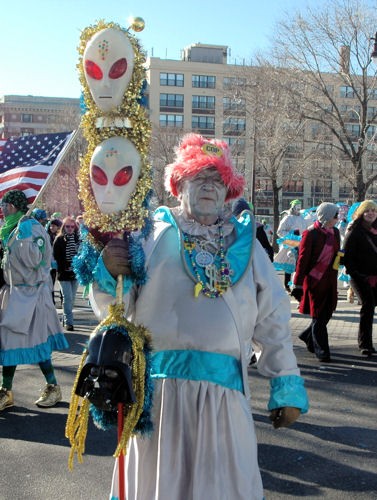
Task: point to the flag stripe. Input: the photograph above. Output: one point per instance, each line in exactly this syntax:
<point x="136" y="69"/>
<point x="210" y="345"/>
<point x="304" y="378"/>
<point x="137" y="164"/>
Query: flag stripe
<point x="26" y="162"/>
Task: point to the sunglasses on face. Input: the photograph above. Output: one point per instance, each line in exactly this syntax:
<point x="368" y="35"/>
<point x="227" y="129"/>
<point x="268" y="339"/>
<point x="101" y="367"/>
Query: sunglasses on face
<point x="69" y="226"/>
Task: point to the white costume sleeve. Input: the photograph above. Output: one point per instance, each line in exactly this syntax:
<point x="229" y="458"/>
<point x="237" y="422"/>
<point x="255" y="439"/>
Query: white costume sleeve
<point x="272" y="333"/>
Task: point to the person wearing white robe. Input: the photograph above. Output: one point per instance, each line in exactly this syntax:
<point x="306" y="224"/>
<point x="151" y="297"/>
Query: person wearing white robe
<point x="211" y="292"/>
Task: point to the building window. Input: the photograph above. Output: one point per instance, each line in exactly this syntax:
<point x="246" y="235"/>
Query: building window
<point x="26" y="118"/>
<point x="293" y="187"/>
<point x="372" y="112"/>
<point x="171" y="101"/>
<point x="352" y="112"/>
<point x="26" y="131"/>
<point x="372" y="93"/>
<point x="353" y="129"/>
<point x="371" y="132"/>
<point x="322" y="187"/>
<point x="172" y="79"/>
<point x="237" y="144"/>
<point x="232" y="125"/>
<point x="203" y="102"/>
<point x="203" y="122"/>
<point x="175" y="121"/>
<point x="203" y="81"/>
<point x="232" y="105"/>
<point x="347" y="91"/>
<point x="232" y="82"/>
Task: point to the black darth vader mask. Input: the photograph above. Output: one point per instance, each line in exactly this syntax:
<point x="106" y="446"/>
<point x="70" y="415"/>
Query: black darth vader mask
<point x="106" y="377"/>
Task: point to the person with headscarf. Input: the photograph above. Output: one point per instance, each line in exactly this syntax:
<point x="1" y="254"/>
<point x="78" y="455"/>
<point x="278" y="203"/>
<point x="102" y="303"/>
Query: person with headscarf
<point x="360" y="260"/>
<point x="211" y="291"/>
<point x="291" y="223"/>
<point x="315" y="279"/>
<point x="29" y="325"/>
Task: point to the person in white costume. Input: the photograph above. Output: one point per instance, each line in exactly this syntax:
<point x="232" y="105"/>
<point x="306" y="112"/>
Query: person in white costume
<point x="211" y="291"/>
<point x="292" y="223"/>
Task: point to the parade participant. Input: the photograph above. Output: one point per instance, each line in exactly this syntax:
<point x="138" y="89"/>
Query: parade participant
<point x="65" y="248"/>
<point x="291" y="223"/>
<point x="52" y="228"/>
<point x="40" y="215"/>
<point x="360" y="259"/>
<point x="211" y="291"/>
<point x="315" y="280"/>
<point x="237" y="208"/>
<point x="29" y="325"/>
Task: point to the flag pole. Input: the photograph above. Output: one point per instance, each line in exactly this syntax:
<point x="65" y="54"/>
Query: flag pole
<point x="63" y="154"/>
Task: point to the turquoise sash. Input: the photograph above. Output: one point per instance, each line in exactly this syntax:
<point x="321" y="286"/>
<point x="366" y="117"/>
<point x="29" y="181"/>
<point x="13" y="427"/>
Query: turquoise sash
<point x="213" y="367"/>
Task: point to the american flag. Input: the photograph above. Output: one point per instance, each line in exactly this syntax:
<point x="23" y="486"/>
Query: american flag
<point x="26" y="162"/>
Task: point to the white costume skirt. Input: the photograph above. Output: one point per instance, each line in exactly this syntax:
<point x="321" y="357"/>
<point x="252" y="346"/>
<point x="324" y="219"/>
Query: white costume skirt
<point x="203" y="447"/>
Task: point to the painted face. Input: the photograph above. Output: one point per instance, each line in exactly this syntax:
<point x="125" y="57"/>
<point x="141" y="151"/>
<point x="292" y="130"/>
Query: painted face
<point x="203" y="196"/>
<point x="108" y="64"/>
<point x="114" y="170"/>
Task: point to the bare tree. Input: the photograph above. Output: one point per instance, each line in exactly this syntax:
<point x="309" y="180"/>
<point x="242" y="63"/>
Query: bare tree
<point x="328" y="52"/>
<point x="163" y="142"/>
<point x="275" y="130"/>
<point x="61" y="194"/>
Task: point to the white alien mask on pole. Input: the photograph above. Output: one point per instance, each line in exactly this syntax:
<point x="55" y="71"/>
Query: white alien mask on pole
<point x="114" y="170"/>
<point x="108" y="64"/>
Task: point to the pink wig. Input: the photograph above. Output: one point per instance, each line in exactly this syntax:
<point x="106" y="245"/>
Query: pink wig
<point x="194" y="154"/>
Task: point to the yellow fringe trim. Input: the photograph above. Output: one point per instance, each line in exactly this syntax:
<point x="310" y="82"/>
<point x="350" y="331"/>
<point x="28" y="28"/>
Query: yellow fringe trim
<point x="78" y="414"/>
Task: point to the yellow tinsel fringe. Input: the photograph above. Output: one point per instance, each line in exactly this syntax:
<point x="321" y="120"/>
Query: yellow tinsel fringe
<point x="77" y="421"/>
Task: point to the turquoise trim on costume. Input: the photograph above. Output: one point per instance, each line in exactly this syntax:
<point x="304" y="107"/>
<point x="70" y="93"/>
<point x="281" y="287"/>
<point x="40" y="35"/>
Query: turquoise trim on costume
<point x="33" y="355"/>
<point x="237" y="255"/>
<point x="164" y="214"/>
<point x="106" y="282"/>
<point x="287" y="268"/>
<point x="288" y="390"/>
<point x="217" y="368"/>
<point x="25" y="229"/>
<point x="289" y="237"/>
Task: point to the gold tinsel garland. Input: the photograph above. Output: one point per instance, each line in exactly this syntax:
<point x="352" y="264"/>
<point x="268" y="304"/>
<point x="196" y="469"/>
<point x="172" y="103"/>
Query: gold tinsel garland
<point x="78" y="413"/>
<point x="133" y="217"/>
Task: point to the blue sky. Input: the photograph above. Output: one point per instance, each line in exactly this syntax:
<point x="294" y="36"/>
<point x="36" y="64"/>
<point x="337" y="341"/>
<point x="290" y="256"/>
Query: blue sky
<point x="39" y="38"/>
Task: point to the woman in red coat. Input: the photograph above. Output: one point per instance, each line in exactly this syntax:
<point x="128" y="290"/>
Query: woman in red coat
<point x="315" y="281"/>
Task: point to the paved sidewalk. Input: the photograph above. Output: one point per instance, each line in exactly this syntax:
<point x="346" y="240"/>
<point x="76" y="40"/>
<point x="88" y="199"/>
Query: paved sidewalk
<point x="330" y="452"/>
<point x="343" y="325"/>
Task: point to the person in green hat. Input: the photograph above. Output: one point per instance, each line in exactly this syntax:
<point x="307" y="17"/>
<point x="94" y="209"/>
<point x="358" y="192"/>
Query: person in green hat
<point x="29" y="337"/>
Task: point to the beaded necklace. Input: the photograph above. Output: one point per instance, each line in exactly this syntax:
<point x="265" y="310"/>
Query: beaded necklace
<point x="217" y="279"/>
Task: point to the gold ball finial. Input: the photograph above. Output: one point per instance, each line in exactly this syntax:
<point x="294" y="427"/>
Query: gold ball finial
<point x="137" y="24"/>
